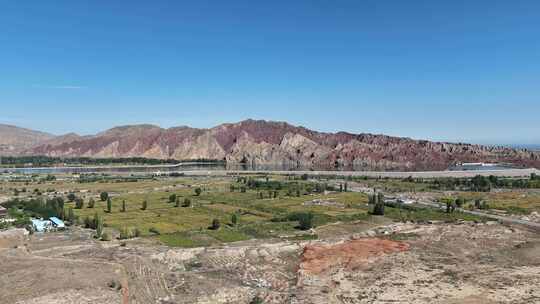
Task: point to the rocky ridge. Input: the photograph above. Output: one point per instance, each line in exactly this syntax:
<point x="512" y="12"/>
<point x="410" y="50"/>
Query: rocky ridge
<point x="279" y="144"/>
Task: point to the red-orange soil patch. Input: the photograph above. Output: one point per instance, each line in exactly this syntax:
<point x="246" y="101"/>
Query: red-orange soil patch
<point x="351" y="254"/>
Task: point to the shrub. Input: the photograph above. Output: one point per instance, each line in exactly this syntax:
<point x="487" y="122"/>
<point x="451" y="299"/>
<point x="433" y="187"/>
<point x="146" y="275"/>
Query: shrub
<point x="215" y="224"/>
<point x="109" y="205"/>
<point x="106" y="236"/>
<point x="198" y="191"/>
<point x="172" y="198"/>
<point x="91" y="203"/>
<point x="104" y="196"/>
<point x="187" y="202"/>
<point x="71" y="216"/>
<point x="378" y="209"/>
<point x="256" y="300"/>
<point x="71" y="197"/>
<point x="99" y="225"/>
<point x="125" y="233"/>
<point x="87" y="222"/>
<point x="79" y="203"/>
<point x="305" y="221"/>
<point x="154" y="230"/>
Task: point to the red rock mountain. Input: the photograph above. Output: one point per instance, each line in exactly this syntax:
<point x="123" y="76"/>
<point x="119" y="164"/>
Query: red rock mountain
<point x="258" y="142"/>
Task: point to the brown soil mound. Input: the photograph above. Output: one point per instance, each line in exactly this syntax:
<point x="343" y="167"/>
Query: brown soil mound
<point x="319" y="258"/>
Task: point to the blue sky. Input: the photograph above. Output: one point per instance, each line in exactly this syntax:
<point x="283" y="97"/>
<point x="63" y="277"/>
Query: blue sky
<point x="442" y="70"/>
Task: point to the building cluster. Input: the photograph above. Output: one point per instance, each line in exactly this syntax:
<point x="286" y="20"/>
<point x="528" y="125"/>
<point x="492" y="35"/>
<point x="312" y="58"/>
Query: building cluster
<point x="52" y="224"/>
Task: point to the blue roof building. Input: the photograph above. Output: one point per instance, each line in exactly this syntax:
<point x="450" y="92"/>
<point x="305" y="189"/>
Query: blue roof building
<point x="56" y="222"/>
<point x="41" y="225"/>
<point x="53" y="223"/>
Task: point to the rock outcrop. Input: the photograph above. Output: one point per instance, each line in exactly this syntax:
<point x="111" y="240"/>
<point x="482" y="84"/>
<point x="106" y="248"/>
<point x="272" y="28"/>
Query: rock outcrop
<point x="266" y="143"/>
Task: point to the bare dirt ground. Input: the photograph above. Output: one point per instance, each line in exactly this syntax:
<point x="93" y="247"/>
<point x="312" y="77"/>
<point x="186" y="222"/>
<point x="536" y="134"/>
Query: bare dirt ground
<point x="390" y="263"/>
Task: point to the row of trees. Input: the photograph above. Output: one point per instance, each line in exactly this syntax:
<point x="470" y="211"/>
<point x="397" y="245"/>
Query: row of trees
<point x="481" y="183"/>
<point x="377" y="201"/>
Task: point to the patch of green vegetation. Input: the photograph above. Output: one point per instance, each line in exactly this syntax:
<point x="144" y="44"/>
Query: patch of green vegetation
<point x="227" y="235"/>
<point x="428" y="214"/>
<point x="201" y="238"/>
<point x="263" y="230"/>
<point x="516" y="210"/>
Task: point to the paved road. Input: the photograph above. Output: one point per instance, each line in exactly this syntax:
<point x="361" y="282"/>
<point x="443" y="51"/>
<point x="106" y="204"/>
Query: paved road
<point x="501" y="218"/>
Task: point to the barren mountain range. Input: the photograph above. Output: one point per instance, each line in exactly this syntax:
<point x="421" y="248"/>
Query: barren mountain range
<point x="259" y="142"/>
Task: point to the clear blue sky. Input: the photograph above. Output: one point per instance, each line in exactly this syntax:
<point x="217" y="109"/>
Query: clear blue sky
<point x="442" y="70"/>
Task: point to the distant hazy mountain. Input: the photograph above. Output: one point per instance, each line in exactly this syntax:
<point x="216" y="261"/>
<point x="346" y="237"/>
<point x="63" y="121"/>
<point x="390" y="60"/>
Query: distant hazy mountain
<point x="528" y="147"/>
<point x="14" y="139"/>
<point x="258" y="142"/>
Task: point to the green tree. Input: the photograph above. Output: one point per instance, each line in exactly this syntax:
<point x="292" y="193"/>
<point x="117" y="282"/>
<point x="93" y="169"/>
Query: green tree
<point x="215" y="224"/>
<point x="305" y="220"/>
<point x="124" y="206"/>
<point x="99" y="226"/>
<point x="144" y="205"/>
<point x="109" y="205"/>
<point x="91" y="203"/>
<point x="172" y="198"/>
<point x="234" y="219"/>
<point x="71" y="197"/>
<point x="79" y="203"/>
<point x="71" y="216"/>
<point x="87" y="222"/>
<point x="177" y="203"/>
<point x="198" y="191"/>
<point x="450" y="206"/>
<point x="378" y="201"/>
<point x="187" y="202"/>
<point x="477" y="203"/>
<point x="95" y="221"/>
<point x="104" y="196"/>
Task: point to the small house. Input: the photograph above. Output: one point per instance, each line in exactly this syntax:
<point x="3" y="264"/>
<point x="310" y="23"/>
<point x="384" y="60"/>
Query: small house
<point x="52" y="224"/>
<point x="41" y="225"/>
<point x="57" y="223"/>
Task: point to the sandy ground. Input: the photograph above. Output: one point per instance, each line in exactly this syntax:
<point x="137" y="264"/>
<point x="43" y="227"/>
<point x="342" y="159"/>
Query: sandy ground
<point x="360" y="263"/>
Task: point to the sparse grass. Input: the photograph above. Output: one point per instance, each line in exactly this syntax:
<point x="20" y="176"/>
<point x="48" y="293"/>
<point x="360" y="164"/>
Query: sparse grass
<point x="426" y="214"/>
<point x="187" y="226"/>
